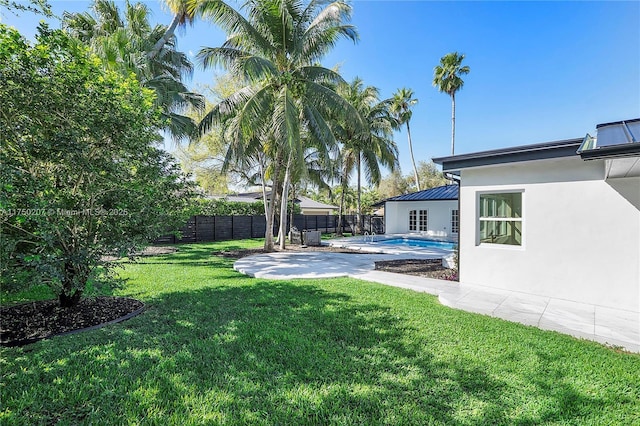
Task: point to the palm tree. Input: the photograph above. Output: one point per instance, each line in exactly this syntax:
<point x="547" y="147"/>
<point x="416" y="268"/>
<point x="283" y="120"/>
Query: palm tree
<point x="401" y="108"/>
<point x="365" y="150"/>
<point x="275" y="47"/>
<point x="182" y="15"/>
<point x="123" y="41"/>
<point x="446" y="77"/>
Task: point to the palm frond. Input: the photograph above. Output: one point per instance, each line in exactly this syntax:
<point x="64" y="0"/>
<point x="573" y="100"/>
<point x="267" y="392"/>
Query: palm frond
<point x="229" y="20"/>
<point x="179" y="127"/>
<point x="318" y="126"/>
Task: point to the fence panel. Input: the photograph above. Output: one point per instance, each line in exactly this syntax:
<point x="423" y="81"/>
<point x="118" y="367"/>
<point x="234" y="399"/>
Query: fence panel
<point x="224" y="227"/>
<point x="218" y="228"/>
<point x="205" y="228"/>
<point x="258" y="226"/>
<point x="241" y="228"/>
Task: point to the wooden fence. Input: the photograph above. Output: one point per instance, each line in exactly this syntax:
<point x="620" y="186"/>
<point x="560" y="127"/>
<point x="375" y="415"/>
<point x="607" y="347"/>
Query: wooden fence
<point x="218" y="228"/>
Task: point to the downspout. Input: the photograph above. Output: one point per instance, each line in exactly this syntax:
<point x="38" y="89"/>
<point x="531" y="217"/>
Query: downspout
<point x="458" y="180"/>
<point x="459" y="227"/>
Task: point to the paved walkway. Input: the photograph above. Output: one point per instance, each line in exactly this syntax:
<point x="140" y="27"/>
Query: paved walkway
<point x="601" y="324"/>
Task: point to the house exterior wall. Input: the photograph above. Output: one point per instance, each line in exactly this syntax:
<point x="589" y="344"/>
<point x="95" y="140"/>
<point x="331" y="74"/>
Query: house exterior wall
<point x="396" y="216"/>
<point x="580" y="233"/>
<point x="317" y="212"/>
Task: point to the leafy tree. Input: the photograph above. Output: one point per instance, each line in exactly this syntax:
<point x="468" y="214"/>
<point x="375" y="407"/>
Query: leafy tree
<point x="204" y="157"/>
<point x="201" y="162"/>
<point x="222" y="207"/>
<point x="275" y="47"/>
<point x="368" y="198"/>
<point x="35" y="6"/>
<point x="447" y="78"/>
<point x="348" y="194"/>
<point x="123" y="41"/>
<point x="430" y="176"/>
<point x="81" y="176"/>
<point x="403" y="101"/>
<point x="394" y="184"/>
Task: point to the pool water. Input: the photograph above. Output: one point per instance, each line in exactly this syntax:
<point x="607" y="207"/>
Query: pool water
<point x="418" y="243"/>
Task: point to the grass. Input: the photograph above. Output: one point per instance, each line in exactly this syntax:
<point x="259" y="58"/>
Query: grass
<point x="216" y="347"/>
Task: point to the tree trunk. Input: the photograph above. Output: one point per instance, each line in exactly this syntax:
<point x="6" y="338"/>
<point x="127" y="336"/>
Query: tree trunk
<point x="413" y="161"/>
<point x="283" y="206"/>
<point x="453" y="123"/>
<point x="340" y="218"/>
<point x="70" y="295"/>
<point x="359" y="206"/>
<point x="293" y="204"/>
<point x="69" y="300"/>
<point x="269" y="210"/>
<point x="166" y="36"/>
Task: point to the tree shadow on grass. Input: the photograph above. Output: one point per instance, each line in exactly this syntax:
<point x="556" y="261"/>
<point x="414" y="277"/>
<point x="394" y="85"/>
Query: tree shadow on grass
<point x="259" y="353"/>
<point x="192" y="255"/>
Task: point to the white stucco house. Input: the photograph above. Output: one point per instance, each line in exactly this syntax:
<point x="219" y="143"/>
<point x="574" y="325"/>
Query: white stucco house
<point x="432" y="212"/>
<point x="558" y="219"/>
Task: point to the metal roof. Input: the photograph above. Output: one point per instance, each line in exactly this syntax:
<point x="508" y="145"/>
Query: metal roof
<point x="447" y="192"/>
<point x="617" y="139"/>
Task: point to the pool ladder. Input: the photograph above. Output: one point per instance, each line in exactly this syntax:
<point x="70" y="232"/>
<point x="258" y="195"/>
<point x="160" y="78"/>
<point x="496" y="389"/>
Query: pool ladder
<point x="369" y="236"/>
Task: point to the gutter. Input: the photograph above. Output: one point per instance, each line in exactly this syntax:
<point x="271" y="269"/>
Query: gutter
<point x="613" y="151"/>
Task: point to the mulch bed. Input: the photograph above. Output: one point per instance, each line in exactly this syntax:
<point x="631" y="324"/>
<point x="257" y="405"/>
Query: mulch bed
<point x="430" y="268"/>
<point x="29" y="322"/>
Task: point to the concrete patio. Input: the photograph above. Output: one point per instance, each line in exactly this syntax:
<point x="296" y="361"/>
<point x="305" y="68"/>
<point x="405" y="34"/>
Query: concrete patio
<point x="601" y="324"/>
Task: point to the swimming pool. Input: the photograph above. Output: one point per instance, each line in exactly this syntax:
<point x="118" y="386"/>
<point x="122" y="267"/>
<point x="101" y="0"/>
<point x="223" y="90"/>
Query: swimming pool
<point x="408" y="246"/>
<point x="410" y="242"/>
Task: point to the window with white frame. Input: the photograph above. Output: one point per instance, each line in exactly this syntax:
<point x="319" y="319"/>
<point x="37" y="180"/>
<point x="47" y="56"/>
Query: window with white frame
<point x="423" y="220"/>
<point x="412" y="220"/>
<point x="455" y="221"/>
<point x="500" y="218"/>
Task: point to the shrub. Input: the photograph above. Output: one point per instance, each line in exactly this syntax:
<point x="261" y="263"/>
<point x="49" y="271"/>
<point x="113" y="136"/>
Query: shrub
<point x="81" y="176"/>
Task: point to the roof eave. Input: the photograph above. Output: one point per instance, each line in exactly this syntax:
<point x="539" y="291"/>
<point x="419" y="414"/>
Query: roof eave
<point x="559" y="149"/>
<point x="613" y="151"/>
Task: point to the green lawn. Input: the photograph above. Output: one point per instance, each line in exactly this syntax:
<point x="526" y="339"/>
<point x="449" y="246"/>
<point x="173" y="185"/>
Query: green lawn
<point x="216" y="347"/>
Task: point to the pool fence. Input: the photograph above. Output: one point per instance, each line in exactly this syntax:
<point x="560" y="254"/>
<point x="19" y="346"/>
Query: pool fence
<point x="219" y="228"/>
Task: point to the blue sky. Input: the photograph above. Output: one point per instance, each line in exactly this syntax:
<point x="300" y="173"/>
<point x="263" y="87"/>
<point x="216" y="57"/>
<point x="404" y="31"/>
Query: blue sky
<point x="540" y="71"/>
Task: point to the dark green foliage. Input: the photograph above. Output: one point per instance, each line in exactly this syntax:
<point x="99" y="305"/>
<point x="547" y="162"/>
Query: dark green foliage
<point x="222" y="207"/>
<point x="81" y="176"/>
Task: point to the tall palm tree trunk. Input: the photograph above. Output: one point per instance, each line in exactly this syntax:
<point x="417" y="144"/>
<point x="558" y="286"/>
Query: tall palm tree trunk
<point x="157" y="47"/>
<point x="293" y="200"/>
<point x="359" y="206"/>
<point x="413" y="161"/>
<point x="270" y="210"/>
<point x="283" y="206"/>
<point x="341" y="210"/>
<point x="453" y="123"/>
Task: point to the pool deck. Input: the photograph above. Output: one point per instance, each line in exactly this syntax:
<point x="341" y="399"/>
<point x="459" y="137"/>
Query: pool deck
<point x="601" y="324"/>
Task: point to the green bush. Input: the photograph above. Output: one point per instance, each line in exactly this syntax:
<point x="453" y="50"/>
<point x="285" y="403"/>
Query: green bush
<point x="222" y="207"/>
<point x="81" y="175"/>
